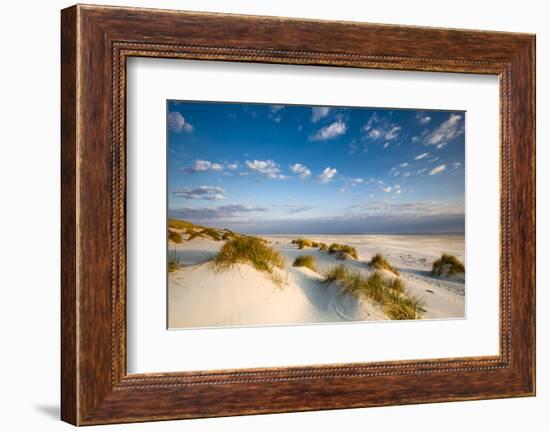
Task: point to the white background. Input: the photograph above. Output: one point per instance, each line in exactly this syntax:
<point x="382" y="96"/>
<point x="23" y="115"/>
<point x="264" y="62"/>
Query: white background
<point x="152" y="349"/>
<point x="29" y="227"/>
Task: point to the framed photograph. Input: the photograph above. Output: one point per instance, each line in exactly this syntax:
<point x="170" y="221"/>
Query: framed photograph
<point x="253" y="239"/>
<point x="268" y="215"/>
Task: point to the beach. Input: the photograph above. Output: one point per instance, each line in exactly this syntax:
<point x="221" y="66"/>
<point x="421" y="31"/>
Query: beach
<point x="202" y="295"/>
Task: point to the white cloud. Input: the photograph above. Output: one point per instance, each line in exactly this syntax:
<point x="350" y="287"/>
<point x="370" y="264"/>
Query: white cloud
<point x="388" y="134"/>
<point x="386" y="145"/>
<point x="266" y="167"/>
<point x="319" y="112"/>
<point x="372" y="121"/>
<point x="386" y="189"/>
<point x="446" y="131"/>
<point x="177" y="123"/>
<point x="418" y="208"/>
<point x="233" y="166"/>
<point x="438" y="169"/>
<point x="423" y="118"/>
<point x="220" y="212"/>
<point x="203" y="192"/>
<point x="392" y="133"/>
<point x="358" y="181"/>
<point x="301" y="170"/>
<point x="457" y="165"/>
<point x="403" y="165"/>
<point x="421" y="156"/>
<point x="203" y="166"/>
<point x="337" y="128"/>
<point x="327" y="175"/>
<point x="375" y="133"/>
<point x="275" y="113"/>
<point x="376" y="129"/>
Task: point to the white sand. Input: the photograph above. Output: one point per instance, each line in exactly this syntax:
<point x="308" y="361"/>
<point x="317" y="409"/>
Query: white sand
<point x="200" y="296"/>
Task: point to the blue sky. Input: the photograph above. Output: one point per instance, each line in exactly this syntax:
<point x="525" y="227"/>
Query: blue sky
<point x="260" y="168"/>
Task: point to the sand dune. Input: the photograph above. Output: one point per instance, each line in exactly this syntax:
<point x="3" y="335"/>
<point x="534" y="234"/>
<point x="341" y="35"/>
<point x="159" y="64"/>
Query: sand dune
<point x="201" y="296"/>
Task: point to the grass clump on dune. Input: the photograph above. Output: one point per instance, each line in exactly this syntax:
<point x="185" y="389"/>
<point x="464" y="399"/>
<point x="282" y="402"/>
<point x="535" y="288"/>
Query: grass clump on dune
<point x="342" y="255"/>
<point x="303" y="243"/>
<point x="228" y="234"/>
<point x="265" y="241"/>
<point x="174" y="236"/>
<point x="396" y="284"/>
<point x="308" y="243"/>
<point x="206" y="232"/>
<point x="306" y="260"/>
<point x="389" y="294"/>
<point x="197" y="231"/>
<point x="180" y="224"/>
<point x="379" y="262"/>
<point x="447" y="265"/>
<point x="173" y="262"/>
<point x="335" y="248"/>
<point x="249" y="249"/>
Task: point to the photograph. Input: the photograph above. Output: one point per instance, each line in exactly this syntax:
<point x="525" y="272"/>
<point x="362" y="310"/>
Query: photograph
<point x="293" y="214"/>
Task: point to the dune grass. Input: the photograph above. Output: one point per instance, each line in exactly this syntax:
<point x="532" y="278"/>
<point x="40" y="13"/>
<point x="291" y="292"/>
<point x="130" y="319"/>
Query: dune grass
<point x="308" y="243"/>
<point x="389" y="294"/>
<point x="335" y="248"/>
<point x="197" y="231"/>
<point x="302" y="243"/>
<point x="278" y="279"/>
<point x="263" y="240"/>
<point x="306" y="260"/>
<point x="396" y="284"/>
<point x="249" y="249"/>
<point x="342" y="255"/>
<point x="447" y="265"/>
<point x="206" y="232"/>
<point x="181" y="224"/>
<point x="228" y="234"/>
<point x="174" y="236"/>
<point x="173" y="262"/>
<point x="379" y="262"/>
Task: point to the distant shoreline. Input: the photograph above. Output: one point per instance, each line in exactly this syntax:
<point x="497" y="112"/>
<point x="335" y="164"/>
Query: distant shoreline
<point x="299" y="234"/>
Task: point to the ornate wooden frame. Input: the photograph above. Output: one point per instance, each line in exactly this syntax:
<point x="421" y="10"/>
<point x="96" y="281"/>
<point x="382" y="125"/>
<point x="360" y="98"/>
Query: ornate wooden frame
<point x="96" y="41"/>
